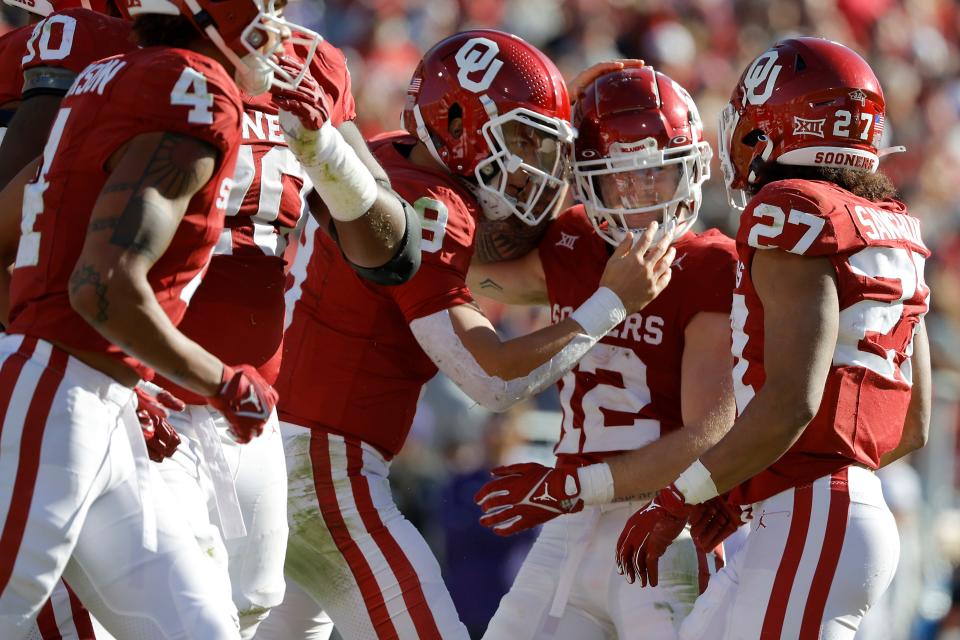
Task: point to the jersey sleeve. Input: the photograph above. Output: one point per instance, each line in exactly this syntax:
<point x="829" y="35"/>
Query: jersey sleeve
<point x="447" y="249"/>
<point x="194" y="97"/>
<point x="329" y="68"/>
<point x="786" y="217"/>
<point x="63" y="44"/>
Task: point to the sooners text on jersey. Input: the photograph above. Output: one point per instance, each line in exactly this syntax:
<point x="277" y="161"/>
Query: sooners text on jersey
<point x="112" y="102"/>
<point x="352" y="365"/>
<point x="237" y="313"/>
<point x="625" y="392"/>
<point x="878" y="257"/>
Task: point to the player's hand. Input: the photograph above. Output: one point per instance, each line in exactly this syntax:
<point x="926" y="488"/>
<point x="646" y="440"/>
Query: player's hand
<point x="526" y="495"/>
<point x="638" y="272"/>
<point x="152" y="411"/>
<point x="303" y="112"/>
<point x="714" y="521"/>
<point x="585" y="78"/>
<point x="647" y="535"/>
<point x="246" y="400"/>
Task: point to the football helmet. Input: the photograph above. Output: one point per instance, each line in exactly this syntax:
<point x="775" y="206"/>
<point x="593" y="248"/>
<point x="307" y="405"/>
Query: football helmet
<point x="639" y="150"/>
<point x="804" y="101"/>
<point x="514" y="138"/>
<point x="239" y="28"/>
<point x="46" y="7"/>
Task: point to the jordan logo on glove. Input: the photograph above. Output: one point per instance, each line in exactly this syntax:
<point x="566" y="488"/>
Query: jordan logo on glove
<point x="251" y="406"/>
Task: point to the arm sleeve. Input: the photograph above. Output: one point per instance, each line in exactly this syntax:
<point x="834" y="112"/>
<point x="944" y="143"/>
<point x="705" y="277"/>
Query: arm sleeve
<point x="437" y="338"/>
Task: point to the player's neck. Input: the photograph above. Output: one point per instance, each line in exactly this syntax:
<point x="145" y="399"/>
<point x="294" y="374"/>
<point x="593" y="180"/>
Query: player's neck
<point x="421" y="156"/>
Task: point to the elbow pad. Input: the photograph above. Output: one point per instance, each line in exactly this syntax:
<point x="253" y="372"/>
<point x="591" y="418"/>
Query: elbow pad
<point x="47" y="81"/>
<point x="405" y="262"/>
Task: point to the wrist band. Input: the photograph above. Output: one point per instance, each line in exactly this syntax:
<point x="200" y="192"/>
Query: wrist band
<point x="600" y="313"/>
<point x="596" y="483"/>
<point x="696" y="484"/>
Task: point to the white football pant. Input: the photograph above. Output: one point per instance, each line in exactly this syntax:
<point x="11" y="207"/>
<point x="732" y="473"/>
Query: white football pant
<point x="353" y="552"/>
<point x="568" y="587"/>
<point x="79" y="498"/>
<point x="235" y="499"/>
<point x="816" y="559"/>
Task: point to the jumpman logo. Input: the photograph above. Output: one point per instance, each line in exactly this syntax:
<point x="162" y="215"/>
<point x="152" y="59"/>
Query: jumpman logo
<point x="545" y="496"/>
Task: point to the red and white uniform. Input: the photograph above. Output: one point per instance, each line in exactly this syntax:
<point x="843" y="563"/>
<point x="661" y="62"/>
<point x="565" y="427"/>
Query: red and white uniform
<point x="622" y="395"/>
<point x="67" y="41"/>
<point x="352" y="375"/>
<point x="244" y="284"/>
<point x="823" y="545"/>
<point x="75" y="483"/>
<point x="12" y="45"/>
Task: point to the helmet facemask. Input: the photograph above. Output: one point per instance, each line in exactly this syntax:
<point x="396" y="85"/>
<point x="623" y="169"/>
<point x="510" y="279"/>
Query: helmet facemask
<point x="638" y="179"/>
<point x="257" y="71"/>
<point x="525" y="173"/>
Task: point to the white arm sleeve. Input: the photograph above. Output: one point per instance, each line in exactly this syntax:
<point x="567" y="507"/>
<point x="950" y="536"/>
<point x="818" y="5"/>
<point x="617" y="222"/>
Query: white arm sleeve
<point x="441" y="343"/>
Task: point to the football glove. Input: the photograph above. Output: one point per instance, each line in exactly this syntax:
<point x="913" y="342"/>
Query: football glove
<point x="525" y="495"/>
<point x="648" y="533"/>
<point x="246" y="400"/>
<point x="161" y="438"/>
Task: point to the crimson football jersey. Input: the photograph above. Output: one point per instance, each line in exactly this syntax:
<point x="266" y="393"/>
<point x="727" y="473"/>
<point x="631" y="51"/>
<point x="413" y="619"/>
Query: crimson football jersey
<point x="625" y="392"/>
<point x="72" y="39"/>
<point x="237" y="312"/>
<point x="12" y="46"/>
<point x="351" y="364"/>
<point x="878" y="257"/>
<point x="112" y="102"/>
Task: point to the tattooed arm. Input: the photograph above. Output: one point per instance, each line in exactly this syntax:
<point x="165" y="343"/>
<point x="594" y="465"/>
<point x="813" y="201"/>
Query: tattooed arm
<point x="519" y="281"/>
<point x="133" y="221"/>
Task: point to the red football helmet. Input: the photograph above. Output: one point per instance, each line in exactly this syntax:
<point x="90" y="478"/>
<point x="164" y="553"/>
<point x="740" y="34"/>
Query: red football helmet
<point x="46" y="7"/>
<point x="639" y="150"/>
<point x="515" y="137"/>
<point x="805" y="101"/>
<point x="238" y="28"/>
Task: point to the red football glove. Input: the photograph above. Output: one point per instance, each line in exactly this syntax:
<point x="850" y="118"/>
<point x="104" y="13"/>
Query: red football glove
<point x="647" y="535"/>
<point x="162" y="440"/>
<point x="526" y="495"/>
<point x="713" y="521"/>
<point x="246" y="400"/>
<point x="308" y="101"/>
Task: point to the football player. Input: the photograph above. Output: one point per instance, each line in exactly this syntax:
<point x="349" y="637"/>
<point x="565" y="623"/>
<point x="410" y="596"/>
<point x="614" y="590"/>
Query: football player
<point x="486" y="135"/>
<point x="238" y="504"/>
<point x="659" y="383"/>
<point x="117" y="229"/>
<point x="41" y="63"/>
<point x="832" y="373"/>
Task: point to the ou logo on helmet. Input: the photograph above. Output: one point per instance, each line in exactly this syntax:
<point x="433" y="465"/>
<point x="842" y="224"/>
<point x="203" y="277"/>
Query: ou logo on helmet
<point x="476" y="55"/>
<point x="761" y="78"/>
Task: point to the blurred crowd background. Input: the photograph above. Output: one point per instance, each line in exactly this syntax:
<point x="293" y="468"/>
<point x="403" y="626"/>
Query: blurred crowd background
<point x="914" y="47"/>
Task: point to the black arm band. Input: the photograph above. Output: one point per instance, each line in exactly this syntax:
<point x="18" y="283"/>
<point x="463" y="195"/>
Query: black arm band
<point x="47" y="81"/>
<point x="405" y="262"/>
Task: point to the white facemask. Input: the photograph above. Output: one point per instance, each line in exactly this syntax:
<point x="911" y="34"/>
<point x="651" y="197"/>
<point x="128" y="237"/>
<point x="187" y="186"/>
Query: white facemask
<point x="254" y="76"/>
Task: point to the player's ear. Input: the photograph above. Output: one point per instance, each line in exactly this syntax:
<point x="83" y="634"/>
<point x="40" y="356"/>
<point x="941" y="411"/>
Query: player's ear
<point x="455" y="121"/>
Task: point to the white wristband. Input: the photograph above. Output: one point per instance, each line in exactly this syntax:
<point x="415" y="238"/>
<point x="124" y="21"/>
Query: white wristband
<point x="600" y="313"/>
<point x="696" y="484"/>
<point x="596" y="483"/>
<point x="339" y="176"/>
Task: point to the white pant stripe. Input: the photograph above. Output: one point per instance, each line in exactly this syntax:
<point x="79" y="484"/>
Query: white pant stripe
<point x="809" y="561"/>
